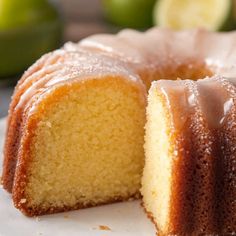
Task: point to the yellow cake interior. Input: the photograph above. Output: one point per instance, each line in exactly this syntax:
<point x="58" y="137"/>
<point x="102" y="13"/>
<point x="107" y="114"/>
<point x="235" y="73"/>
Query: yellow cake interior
<point x="88" y="146"/>
<point x="156" y="181"/>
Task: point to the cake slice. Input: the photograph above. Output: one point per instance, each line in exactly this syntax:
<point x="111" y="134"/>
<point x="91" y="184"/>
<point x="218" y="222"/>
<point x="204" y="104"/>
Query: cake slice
<point x="188" y="183"/>
<point x="79" y="142"/>
<point x="166" y="145"/>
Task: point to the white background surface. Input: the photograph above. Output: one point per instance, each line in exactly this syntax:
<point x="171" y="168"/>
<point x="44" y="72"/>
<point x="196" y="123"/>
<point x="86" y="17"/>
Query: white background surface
<point x="124" y="219"/>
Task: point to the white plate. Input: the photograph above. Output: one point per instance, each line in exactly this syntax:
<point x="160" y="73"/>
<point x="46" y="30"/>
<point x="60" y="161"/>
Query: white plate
<point x="123" y="219"/>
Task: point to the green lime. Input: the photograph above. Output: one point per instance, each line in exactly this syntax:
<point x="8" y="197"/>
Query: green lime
<point x="185" y="14"/>
<point x="129" y="13"/>
<point x="28" y="29"/>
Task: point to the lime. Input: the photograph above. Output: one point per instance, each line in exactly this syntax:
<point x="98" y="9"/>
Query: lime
<point x="129" y="13"/>
<point x="28" y="29"/>
<point x="185" y="14"/>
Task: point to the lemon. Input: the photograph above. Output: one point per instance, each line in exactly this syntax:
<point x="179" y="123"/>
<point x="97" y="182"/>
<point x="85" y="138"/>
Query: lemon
<point x="28" y="29"/>
<point x="129" y="13"/>
<point x="186" y="14"/>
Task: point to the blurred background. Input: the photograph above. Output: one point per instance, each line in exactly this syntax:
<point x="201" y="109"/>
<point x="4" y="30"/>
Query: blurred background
<point x="30" y="28"/>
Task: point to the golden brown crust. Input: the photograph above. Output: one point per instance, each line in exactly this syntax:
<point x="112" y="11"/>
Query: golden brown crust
<point x="226" y="167"/>
<point x="150" y="216"/>
<point x="203" y="163"/>
<point x="40" y="211"/>
<point x="14" y="126"/>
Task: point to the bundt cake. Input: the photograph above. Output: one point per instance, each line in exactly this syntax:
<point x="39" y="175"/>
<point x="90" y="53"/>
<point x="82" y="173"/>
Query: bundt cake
<point x="76" y="129"/>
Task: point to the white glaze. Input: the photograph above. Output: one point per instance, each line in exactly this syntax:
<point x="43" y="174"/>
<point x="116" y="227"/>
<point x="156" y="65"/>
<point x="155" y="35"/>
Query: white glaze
<point x="133" y="54"/>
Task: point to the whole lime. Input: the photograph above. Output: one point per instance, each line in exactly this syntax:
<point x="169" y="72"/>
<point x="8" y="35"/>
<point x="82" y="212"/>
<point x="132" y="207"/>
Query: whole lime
<point x="28" y="29"/>
<point x="129" y="13"/>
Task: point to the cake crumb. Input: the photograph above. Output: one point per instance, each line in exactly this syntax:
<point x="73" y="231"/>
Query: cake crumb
<point x="66" y="216"/>
<point x="104" y="227"/>
<point x="23" y="200"/>
<point x="131" y="199"/>
<point x="48" y="124"/>
<point x="37" y="219"/>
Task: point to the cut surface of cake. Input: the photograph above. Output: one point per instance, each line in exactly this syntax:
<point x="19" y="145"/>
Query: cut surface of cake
<point x="76" y="129"/>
